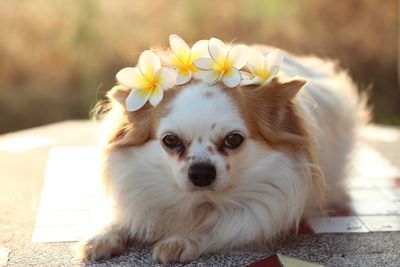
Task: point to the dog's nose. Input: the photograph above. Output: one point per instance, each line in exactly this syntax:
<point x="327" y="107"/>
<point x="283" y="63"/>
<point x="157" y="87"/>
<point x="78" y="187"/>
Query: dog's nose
<point x="202" y="174"/>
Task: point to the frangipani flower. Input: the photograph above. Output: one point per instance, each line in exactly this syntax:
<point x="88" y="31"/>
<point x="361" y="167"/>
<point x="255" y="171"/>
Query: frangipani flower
<point x="224" y="64"/>
<point x="263" y="68"/>
<point x="183" y="56"/>
<point x="148" y="81"/>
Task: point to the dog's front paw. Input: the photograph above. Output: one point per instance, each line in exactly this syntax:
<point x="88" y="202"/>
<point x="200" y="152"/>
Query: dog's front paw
<point x="107" y="244"/>
<point x="176" y="249"/>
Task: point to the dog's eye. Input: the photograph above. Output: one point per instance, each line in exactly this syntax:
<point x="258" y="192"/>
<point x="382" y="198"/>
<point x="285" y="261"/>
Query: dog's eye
<point x="233" y="140"/>
<point x="171" y="141"/>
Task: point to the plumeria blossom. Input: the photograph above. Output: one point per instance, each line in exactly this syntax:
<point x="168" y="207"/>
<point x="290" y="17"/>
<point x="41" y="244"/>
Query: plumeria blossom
<point x="263" y="68"/>
<point x="148" y="80"/>
<point x="224" y="64"/>
<point x="182" y="57"/>
<point x="208" y="60"/>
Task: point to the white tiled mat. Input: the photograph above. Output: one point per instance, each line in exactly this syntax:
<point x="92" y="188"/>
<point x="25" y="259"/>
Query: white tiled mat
<point x="347" y="224"/>
<point x="72" y="204"/>
<point x="381" y="223"/>
<point x="23" y="143"/>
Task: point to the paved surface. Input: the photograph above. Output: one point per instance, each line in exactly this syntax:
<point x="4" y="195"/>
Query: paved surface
<point x="21" y="180"/>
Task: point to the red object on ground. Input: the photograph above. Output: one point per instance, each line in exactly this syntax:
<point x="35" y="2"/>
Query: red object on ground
<point x="271" y="261"/>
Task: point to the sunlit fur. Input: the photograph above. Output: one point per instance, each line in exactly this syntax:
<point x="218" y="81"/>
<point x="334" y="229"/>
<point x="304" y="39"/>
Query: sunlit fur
<point x="298" y="138"/>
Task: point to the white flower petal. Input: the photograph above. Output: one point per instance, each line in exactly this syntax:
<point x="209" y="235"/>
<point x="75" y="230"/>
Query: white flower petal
<point x="179" y="47"/>
<point x="131" y="78"/>
<point x="149" y="63"/>
<point x="156" y="96"/>
<point x="165" y="57"/>
<point x="238" y="56"/>
<point x="167" y="78"/>
<point x="204" y="63"/>
<point x="273" y="62"/>
<point x="200" y="49"/>
<point x="217" y="50"/>
<point x="255" y="80"/>
<point x="210" y="77"/>
<point x="136" y="99"/>
<point x="256" y="61"/>
<point x="273" y="70"/>
<point x="232" y="78"/>
<point x="183" y="77"/>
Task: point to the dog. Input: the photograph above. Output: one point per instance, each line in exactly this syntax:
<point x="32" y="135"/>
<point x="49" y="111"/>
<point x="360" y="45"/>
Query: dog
<point x="213" y="168"/>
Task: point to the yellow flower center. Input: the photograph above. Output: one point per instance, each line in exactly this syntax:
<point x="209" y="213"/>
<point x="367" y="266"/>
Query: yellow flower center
<point x="266" y="75"/>
<point x="223" y="66"/>
<point x="262" y="73"/>
<point x="153" y="83"/>
<point x="184" y="67"/>
<point x="187" y="68"/>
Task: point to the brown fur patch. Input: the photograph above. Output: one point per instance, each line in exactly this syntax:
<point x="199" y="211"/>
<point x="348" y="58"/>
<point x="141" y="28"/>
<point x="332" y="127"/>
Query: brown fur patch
<point x="123" y="128"/>
<point x="222" y="151"/>
<point x="133" y="128"/>
<point x="210" y="149"/>
<point x="193" y="157"/>
<point x="208" y="94"/>
<point x="227" y="167"/>
<point x="273" y="118"/>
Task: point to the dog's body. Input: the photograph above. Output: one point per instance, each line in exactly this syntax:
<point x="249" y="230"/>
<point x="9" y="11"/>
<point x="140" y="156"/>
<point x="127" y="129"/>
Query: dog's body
<point x="261" y="189"/>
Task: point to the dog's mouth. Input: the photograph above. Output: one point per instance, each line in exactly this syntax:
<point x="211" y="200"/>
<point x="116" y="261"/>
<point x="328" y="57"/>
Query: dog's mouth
<point x="201" y="189"/>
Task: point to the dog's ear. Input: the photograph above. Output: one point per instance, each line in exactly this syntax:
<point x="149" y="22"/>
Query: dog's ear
<point x="127" y="128"/>
<point x="118" y="94"/>
<point x="284" y="90"/>
<point x="271" y="111"/>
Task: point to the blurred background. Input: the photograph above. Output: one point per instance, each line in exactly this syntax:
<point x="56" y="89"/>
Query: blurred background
<point x="57" y="58"/>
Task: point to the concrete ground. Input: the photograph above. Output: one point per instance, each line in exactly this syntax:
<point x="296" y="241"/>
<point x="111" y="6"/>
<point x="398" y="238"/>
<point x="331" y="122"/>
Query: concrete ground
<point x="21" y="181"/>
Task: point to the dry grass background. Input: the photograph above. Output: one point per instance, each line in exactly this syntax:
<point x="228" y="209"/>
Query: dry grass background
<point x="58" y="57"/>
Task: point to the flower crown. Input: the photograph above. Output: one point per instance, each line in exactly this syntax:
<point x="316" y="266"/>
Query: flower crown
<point x="208" y="60"/>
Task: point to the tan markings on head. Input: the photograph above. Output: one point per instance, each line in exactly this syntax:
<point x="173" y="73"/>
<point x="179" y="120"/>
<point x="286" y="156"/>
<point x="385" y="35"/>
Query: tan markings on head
<point x="134" y="128"/>
<point x="123" y="128"/>
<point x="272" y="117"/>
<point x="193" y="157"/>
<point x="227" y="167"/>
<point x="222" y="151"/>
<point x="208" y="94"/>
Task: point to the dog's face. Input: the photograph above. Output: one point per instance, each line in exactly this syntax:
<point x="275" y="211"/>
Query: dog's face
<point x="208" y="135"/>
<point x="202" y="136"/>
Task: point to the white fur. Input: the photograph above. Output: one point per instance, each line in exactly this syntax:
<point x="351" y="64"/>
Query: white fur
<point x="263" y="194"/>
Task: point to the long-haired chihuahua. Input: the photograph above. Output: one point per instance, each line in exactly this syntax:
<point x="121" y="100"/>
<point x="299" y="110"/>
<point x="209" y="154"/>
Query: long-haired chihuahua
<point x="211" y="168"/>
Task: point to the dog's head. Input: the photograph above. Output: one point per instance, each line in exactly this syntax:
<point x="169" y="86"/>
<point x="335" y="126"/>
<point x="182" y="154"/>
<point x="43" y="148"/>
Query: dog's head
<point x="208" y="135"/>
